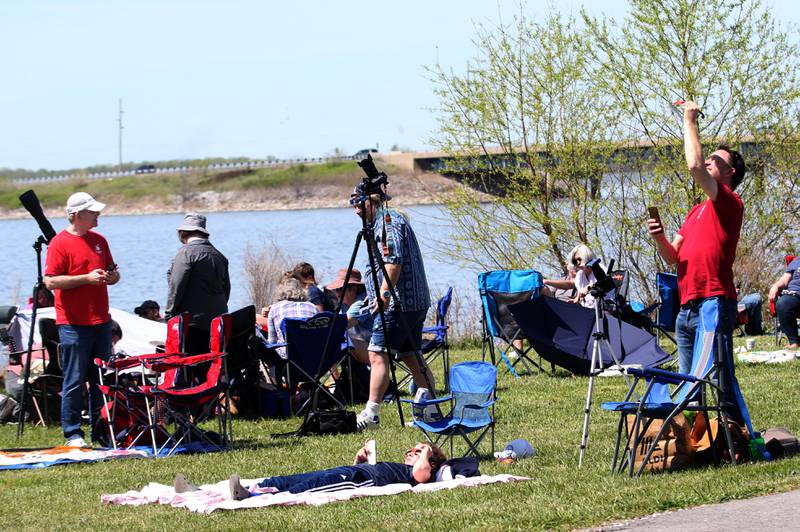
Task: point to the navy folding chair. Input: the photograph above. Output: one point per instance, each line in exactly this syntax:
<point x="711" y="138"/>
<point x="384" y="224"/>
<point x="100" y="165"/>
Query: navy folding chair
<point x="305" y="342"/>
<point x="434" y="342"/>
<point x="700" y="391"/>
<point x="669" y="305"/>
<point x="498" y="290"/>
<point x="472" y="398"/>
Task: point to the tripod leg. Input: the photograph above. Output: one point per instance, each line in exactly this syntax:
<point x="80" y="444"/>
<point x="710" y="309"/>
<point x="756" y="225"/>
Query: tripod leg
<point x="588" y="406"/>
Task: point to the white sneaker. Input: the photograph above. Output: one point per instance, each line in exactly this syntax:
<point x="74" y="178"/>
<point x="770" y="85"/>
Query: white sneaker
<point x="364" y="421"/>
<point x="78" y="443"/>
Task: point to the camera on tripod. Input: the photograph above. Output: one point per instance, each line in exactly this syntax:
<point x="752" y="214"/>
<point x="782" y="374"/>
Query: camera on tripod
<point x="374" y="182"/>
<point x="605" y="283"/>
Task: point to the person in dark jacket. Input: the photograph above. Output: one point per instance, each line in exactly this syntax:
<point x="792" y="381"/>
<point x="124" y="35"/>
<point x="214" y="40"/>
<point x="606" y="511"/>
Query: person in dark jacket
<point x="198" y="282"/>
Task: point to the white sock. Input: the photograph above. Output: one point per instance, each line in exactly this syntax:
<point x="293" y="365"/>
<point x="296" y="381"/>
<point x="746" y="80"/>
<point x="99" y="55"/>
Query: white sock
<point x="372" y="409"/>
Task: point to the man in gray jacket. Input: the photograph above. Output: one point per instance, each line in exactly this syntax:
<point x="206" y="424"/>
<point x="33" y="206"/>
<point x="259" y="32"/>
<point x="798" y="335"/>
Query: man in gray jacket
<point x="198" y="282"/>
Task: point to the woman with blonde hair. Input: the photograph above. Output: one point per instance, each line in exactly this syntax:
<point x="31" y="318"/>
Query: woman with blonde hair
<point x="580" y="277"/>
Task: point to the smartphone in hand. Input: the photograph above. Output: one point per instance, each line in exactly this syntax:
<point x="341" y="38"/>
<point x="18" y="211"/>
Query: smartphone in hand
<point x="653" y="212"/>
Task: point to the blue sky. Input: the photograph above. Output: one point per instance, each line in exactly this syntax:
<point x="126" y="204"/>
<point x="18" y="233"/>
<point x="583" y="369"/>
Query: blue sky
<point x="224" y="79"/>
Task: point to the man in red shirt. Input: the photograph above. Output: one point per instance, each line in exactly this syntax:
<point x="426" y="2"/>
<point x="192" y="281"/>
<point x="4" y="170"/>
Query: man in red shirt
<point x="705" y="247"/>
<point x="79" y="268"/>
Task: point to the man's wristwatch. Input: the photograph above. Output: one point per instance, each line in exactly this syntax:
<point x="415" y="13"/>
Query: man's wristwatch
<point x="386" y="295"/>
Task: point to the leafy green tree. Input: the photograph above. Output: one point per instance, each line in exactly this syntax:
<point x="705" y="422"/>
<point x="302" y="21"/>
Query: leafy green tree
<point x="574" y="128"/>
<point x="527" y="123"/>
<point x="733" y="59"/>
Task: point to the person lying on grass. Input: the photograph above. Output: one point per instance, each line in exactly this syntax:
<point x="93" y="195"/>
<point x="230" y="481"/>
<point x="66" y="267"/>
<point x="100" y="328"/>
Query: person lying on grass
<point x="419" y="466"/>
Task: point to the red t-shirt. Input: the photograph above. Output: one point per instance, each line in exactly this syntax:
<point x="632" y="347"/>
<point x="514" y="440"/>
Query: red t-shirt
<point x="710" y="235"/>
<point x="69" y="254"/>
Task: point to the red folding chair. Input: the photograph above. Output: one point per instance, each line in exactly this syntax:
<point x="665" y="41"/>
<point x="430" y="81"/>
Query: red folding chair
<point x="192" y="390"/>
<point x="131" y="416"/>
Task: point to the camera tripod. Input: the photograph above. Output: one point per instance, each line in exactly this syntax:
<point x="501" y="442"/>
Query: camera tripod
<point x="373" y="184"/>
<point x="596" y="367"/>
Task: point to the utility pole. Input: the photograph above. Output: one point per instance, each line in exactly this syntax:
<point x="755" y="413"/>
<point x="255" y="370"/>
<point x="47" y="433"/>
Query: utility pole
<point x="119" y="120"/>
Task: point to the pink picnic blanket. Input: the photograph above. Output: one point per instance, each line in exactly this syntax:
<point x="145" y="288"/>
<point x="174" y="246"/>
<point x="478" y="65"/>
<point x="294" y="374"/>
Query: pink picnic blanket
<point x="213" y="497"/>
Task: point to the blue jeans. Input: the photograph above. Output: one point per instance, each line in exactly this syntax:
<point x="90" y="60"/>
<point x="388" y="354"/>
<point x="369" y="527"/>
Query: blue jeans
<point x="788" y="309"/>
<point x="752" y="304"/>
<point x="686" y="326"/>
<point x="80" y="345"/>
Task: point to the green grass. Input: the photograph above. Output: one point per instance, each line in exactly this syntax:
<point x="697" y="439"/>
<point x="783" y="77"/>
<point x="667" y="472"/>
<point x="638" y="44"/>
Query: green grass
<point x="545" y="410"/>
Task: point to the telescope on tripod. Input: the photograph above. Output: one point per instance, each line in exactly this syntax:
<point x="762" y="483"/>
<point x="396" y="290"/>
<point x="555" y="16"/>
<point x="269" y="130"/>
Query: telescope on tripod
<point x="31" y="203"/>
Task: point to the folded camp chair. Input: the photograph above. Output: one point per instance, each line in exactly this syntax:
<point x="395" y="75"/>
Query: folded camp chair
<point x="305" y="342"/>
<point x="650" y="397"/>
<point x="205" y="398"/>
<point x="472" y="397"/>
<point x="435" y="344"/>
<point x="132" y="416"/>
<point x="244" y="364"/>
<point x="498" y="290"/>
<point x="774" y="313"/>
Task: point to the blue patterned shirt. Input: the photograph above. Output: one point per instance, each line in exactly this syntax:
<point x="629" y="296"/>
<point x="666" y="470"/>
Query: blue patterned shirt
<point x="401" y="248"/>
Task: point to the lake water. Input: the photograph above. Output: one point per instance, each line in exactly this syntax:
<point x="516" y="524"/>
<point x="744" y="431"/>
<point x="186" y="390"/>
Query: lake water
<point x="143" y="247"/>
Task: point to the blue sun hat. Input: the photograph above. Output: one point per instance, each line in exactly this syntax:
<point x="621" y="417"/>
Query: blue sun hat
<point x="515" y="450"/>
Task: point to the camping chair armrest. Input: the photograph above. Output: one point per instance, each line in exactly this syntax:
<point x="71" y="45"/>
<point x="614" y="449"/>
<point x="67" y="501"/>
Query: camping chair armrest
<point x="428" y="402"/>
<point x="482" y="405"/>
<point x="661" y="374"/>
<point x="129" y="361"/>
<point x="436" y="329"/>
<point x="15" y="358"/>
<point x="174" y="362"/>
<point x="649" y="310"/>
<point x="275" y="345"/>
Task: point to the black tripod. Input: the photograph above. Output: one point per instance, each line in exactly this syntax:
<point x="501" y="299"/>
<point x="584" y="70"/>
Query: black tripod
<point x="26" y="372"/>
<point x="372" y="185"/>
<point x="31" y="203"/>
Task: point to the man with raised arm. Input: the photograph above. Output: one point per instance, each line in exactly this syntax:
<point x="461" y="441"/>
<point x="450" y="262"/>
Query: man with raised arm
<point x="79" y="267"/>
<point x="705" y="247"/>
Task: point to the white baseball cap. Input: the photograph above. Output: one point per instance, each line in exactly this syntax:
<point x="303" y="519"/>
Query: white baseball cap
<point x="81" y="201"/>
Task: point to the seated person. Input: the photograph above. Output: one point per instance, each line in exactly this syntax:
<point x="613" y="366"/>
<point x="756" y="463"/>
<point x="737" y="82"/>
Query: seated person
<point x="304" y="272"/>
<point x="563" y="289"/>
<point x="149" y="310"/>
<point x="359" y="317"/>
<point x="752" y="307"/>
<point x="291" y="302"/>
<point x="583" y="279"/>
<point x="419" y="466"/>
<point x="785" y="294"/>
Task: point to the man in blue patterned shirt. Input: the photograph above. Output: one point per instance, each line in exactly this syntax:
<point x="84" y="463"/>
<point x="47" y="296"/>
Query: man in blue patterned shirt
<point x="397" y="247"/>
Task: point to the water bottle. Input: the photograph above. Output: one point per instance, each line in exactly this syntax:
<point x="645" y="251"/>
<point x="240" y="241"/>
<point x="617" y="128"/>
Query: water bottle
<point x="758" y="449"/>
<point x="372" y="452"/>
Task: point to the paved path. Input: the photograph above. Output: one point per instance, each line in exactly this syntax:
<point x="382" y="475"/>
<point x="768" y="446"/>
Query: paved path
<point x="779" y="511"/>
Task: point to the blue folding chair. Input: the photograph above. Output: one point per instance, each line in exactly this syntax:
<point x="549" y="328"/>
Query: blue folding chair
<point x="305" y="342"/>
<point x="498" y="290"/>
<point x="435" y="345"/>
<point x="472" y="398"/>
<point x="700" y="391"/>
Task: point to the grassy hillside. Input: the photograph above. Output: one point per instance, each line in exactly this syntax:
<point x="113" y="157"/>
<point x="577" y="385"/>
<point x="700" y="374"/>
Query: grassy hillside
<point x="159" y="188"/>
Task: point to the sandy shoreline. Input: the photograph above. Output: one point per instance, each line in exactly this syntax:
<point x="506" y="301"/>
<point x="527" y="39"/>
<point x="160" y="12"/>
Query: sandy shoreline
<point x="427" y="189"/>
